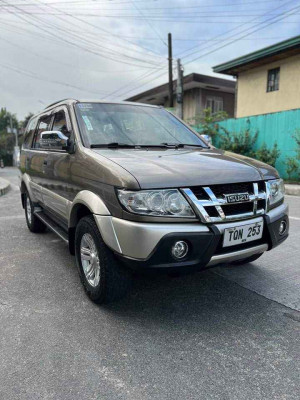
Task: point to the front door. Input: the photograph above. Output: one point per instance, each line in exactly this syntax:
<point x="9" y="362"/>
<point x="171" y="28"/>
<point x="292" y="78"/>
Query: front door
<point x="57" y="186"/>
<point x="37" y="158"/>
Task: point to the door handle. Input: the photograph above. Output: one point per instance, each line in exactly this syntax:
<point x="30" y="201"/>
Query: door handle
<point x="45" y="162"/>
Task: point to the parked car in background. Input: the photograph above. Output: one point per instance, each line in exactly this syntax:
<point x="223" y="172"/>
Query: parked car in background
<point x="130" y="186"/>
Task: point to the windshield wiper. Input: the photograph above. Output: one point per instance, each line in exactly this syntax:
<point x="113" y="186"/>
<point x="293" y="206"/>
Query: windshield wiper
<point x="112" y="145"/>
<point x="117" y="145"/>
<point x="181" y="145"/>
<point x="196" y="145"/>
<point x="173" y="145"/>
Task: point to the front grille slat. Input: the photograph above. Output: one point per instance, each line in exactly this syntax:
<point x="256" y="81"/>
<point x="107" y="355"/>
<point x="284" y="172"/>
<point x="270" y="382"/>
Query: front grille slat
<point x="212" y="204"/>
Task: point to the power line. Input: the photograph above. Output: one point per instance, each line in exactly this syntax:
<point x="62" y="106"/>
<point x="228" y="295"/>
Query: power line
<point x="20" y="30"/>
<point x="171" y="18"/>
<point x="225" y="44"/>
<point x="40" y="56"/>
<point x="224" y="39"/>
<point x="44" y="79"/>
<point x="92" y="4"/>
<point x="109" y="54"/>
<point x="151" y="26"/>
<point x="102" y="29"/>
<point x="235" y="40"/>
<point x="97" y="27"/>
<point x="245" y="30"/>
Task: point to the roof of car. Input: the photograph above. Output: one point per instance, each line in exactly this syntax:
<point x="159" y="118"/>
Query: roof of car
<point x="73" y="101"/>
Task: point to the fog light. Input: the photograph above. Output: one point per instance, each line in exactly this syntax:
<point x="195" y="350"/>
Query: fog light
<point x="180" y="249"/>
<point x="282" y="227"/>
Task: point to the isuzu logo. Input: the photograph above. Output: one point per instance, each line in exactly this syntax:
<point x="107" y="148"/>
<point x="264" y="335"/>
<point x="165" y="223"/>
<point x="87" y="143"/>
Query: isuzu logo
<point x="236" y="197"/>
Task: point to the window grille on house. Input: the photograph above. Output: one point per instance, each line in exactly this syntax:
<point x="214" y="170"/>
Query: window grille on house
<point x="273" y="79"/>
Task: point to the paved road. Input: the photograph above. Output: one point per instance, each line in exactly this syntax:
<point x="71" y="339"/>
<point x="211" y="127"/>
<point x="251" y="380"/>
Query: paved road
<point x="206" y="336"/>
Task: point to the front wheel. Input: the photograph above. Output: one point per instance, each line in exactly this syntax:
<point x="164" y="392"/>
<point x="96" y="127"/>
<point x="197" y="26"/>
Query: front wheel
<point x="102" y="275"/>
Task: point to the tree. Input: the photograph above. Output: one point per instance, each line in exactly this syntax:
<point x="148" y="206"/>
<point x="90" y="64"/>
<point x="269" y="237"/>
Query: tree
<point x="7" y="140"/>
<point x="5" y="120"/>
<point x="207" y="121"/>
<point x="25" y="121"/>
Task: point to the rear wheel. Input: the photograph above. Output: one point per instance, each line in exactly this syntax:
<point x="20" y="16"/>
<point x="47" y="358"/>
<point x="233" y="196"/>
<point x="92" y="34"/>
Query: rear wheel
<point x="103" y="277"/>
<point x="247" y="260"/>
<point x="33" y="222"/>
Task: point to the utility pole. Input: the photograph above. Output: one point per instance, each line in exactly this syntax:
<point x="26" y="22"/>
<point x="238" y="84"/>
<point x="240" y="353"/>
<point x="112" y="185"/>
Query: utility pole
<point x="170" y="59"/>
<point x="12" y="130"/>
<point x="179" y="89"/>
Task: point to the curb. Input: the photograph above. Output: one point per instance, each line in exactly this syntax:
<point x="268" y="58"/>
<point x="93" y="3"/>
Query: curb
<point x="293" y="190"/>
<point x="4" y="186"/>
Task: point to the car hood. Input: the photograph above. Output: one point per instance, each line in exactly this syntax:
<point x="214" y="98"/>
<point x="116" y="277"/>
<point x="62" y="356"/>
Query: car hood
<point x="166" y="168"/>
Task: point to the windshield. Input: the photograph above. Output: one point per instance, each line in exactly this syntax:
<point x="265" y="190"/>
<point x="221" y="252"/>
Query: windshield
<point x="132" y="125"/>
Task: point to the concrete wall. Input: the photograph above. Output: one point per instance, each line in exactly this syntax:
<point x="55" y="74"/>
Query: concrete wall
<point x="252" y="95"/>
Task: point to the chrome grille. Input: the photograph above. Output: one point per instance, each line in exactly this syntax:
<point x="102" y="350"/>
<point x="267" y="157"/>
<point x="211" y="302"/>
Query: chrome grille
<point x="212" y="206"/>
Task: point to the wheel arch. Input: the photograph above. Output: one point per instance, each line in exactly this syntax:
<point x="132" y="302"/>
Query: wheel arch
<point x="25" y="187"/>
<point x="85" y="203"/>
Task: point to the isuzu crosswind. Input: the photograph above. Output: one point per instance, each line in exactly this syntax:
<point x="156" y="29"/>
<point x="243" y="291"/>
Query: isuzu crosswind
<point x="130" y="186"/>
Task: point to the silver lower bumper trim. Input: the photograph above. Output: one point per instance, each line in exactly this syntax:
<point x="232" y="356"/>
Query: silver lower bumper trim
<point x="237" y="255"/>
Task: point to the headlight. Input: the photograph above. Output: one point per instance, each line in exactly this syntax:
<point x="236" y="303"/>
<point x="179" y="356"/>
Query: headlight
<point x="276" y="192"/>
<point x="166" y="202"/>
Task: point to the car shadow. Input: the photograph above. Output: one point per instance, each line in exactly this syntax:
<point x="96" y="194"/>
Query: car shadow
<point x="197" y="300"/>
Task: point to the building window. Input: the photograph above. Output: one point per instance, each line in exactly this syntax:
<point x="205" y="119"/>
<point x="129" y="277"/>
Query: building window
<point x="214" y="103"/>
<point x="273" y="79"/>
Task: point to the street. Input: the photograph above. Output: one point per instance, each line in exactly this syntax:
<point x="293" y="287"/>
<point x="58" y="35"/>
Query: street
<point x="227" y="333"/>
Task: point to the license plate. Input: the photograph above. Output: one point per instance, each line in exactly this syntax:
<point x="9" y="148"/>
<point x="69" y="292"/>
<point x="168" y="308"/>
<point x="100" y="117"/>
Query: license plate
<point x="242" y="234"/>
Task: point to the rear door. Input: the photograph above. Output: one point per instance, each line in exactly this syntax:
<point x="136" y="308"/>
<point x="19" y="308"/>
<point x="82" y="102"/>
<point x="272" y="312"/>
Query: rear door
<point x="37" y="158"/>
<point x="57" y="188"/>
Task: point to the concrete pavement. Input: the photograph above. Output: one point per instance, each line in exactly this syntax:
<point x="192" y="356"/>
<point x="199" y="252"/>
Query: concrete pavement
<point x="213" y="335"/>
<point x="293" y="190"/>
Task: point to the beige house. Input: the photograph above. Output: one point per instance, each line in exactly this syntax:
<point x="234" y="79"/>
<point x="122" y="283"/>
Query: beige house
<point x="268" y="80"/>
<point x="200" y="92"/>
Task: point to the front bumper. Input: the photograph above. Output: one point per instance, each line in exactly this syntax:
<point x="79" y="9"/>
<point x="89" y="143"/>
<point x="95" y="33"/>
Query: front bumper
<point x="148" y="245"/>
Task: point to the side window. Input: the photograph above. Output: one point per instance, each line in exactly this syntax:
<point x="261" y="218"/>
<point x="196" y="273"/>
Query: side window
<point x="60" y="123"/>
<point x="29" y="133"/>
<point x="43" y="125"/>
<point x="214" y="103"/>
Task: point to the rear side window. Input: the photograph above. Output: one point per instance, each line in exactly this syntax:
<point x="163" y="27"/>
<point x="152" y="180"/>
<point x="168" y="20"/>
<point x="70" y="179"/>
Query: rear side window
<point x="29" y="132"/>
<point x="43" y="125"/>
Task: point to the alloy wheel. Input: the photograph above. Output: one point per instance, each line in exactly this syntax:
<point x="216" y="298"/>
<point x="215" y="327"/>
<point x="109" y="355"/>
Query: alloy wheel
<point x="90" y="259"/>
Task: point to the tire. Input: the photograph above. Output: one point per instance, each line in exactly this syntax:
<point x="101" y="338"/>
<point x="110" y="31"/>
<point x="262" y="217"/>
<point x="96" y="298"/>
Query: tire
<point x="247" y="260"/>
<point x="103" y="277"/>
<point x="34" y="224"/>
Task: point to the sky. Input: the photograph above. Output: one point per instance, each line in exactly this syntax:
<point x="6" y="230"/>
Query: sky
<point x="113" y="49"/>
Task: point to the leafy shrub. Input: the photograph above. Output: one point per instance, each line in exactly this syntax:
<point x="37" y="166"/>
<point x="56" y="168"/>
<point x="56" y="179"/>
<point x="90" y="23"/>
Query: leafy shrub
<point x="296" y="136"/>
<point x="292" y="166"/>
<point x="268" y="156"/>
<point x="241" y="143"/>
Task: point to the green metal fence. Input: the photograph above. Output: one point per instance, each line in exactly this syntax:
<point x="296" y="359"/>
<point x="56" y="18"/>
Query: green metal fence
<point x="272" y="128"/>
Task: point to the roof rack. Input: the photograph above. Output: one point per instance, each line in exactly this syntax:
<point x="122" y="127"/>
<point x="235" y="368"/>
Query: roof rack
<point x="59" y="101"/>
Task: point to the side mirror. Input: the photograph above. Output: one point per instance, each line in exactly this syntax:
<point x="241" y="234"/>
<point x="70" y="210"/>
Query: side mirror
<point x="53" y="139"/>
<point x="56" y="140"/>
